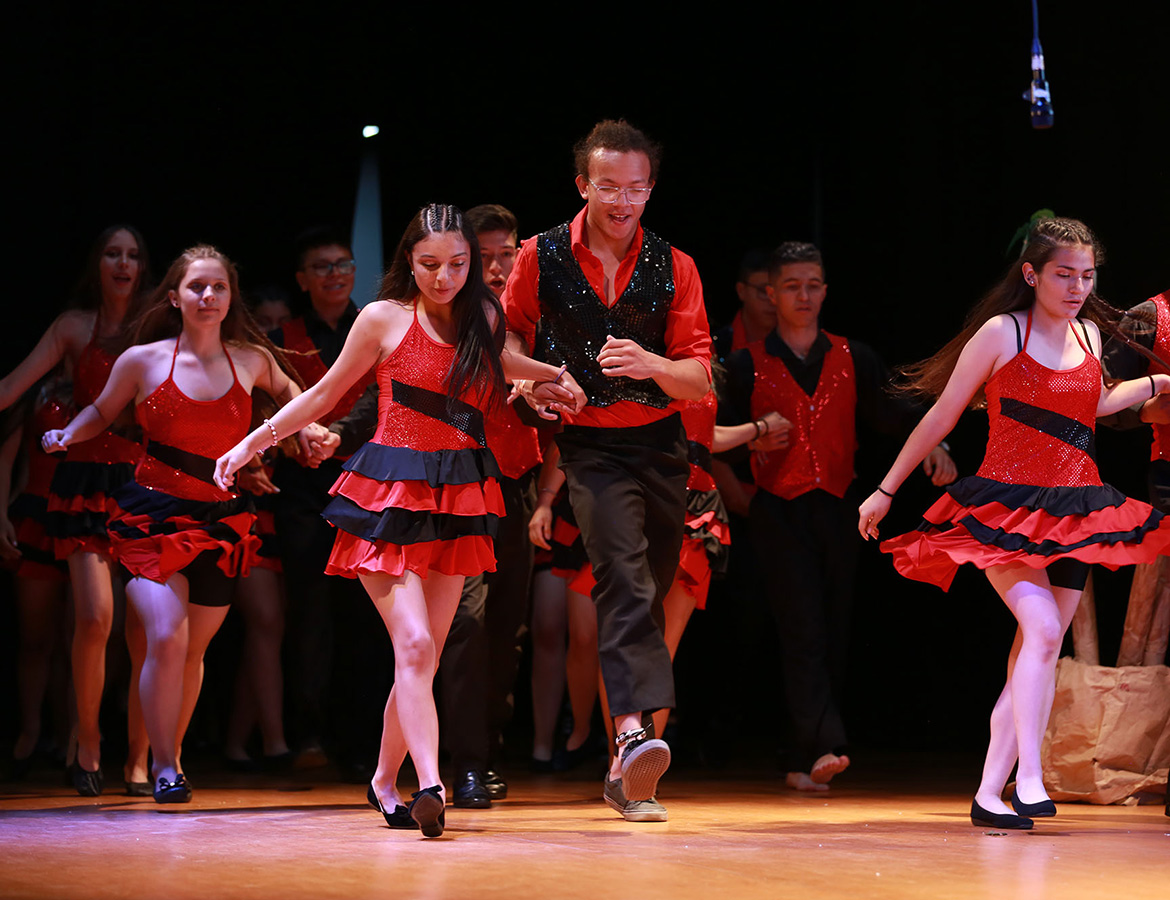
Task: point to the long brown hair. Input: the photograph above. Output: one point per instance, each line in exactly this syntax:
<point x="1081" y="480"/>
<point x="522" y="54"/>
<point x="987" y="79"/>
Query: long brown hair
<point x="1011" y="294"/>
<point x="160" y="319"/>
<point x="478" y="342"/>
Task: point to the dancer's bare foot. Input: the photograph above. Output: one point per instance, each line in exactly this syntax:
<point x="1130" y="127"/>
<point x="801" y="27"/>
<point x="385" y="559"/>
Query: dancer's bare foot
<point x="800" y="781"/>
<point x="827" y="766"/>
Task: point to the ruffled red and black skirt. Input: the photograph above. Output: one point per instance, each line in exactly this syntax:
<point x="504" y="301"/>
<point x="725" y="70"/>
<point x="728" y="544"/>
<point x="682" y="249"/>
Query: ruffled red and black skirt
<point x="154" y="534"/>
<point x="79" y="505"/>
<point x="989" y="523"/>
<point x="398" y="509"/>
<point x="28" y="514"/>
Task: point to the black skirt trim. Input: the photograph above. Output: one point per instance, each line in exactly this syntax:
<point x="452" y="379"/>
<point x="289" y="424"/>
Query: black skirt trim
<point x="700" y="503"/>
<point x="163" y="508"/>
<point x="435" y="467"/>
<point x="74" y="478"/>
<point x="405" y="526"/>
<point x="975" y="491"/>
<point x="1006" y="540"/>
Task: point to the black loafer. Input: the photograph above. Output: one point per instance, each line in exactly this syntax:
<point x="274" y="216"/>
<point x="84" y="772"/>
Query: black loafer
<point x="471" y="792"/>
<point x="497" y="788"/>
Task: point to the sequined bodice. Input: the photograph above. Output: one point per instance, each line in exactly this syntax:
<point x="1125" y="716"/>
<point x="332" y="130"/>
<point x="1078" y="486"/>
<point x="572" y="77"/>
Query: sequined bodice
<point x="91" y="373"/>
<point x="412" y="398"/>
<point x="698" y="418"/>
<point x="203" y="430"/>
<point x="1041" y="423"/>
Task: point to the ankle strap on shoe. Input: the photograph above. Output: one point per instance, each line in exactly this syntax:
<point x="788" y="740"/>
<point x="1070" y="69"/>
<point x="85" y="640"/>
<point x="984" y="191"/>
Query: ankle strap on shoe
<point x="625" y="737"/>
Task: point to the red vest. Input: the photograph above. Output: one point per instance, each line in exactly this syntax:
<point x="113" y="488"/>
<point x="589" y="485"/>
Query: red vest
<point x="1161" y="447"/>
<point x="824" y="430"/>
<point x="306" y="359"/>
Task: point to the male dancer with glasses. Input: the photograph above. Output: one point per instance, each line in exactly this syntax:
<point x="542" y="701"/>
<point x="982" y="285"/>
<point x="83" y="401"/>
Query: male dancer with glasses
<point x="623" y="312"/>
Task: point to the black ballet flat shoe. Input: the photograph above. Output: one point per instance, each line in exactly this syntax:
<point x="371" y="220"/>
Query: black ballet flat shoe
<point x="1006" y="821"/>
<point x="1045" y="809"/>
<point x="139" y="789"/>
<point x="87" y="784"/>
<point x="427" y="810"/>
<point x="177" y="791"/>
<point x="399" y="818"/>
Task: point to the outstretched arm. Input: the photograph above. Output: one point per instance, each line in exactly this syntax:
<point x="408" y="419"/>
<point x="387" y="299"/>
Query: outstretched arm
<point x="976" y="364"/>
<point x="49" y="351"/>
<point x="120" y="390"/>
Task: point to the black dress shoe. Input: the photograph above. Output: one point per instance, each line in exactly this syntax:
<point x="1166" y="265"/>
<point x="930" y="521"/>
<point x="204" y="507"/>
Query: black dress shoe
<point x="1045" y="809"/>
<point x="471" y="792"/>
<point x="177" y="791"/>
<point x="87" y="784"/>
<point x="980" y="816"/>
<point x="497" y="788"/>
<point x="427" y="810"/>
<point x="398" y="818"/>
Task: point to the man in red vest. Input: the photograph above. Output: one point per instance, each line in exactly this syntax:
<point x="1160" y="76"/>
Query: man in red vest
<point x="804" y="512"/>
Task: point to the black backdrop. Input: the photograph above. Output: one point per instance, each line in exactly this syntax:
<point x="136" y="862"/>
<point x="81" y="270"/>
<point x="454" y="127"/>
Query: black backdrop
<point x="894" y="135"/>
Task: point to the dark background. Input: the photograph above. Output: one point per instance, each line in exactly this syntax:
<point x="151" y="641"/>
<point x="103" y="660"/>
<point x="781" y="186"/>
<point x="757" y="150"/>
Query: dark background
<point x="893" y="135"/>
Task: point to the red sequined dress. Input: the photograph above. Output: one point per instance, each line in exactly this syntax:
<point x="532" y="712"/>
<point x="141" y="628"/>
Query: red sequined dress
<point x="422" y="495"/>
<point x="706" y="535"/>
<point x="79" y="497"/>
<point x="1038" y="496"/>
<point x="28" y="510"/>
<point x="172" y="510"/>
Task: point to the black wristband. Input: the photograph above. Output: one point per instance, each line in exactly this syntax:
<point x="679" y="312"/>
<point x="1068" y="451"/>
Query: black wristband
<point x="1153" y="388"/>
<point x="882" y="490"/>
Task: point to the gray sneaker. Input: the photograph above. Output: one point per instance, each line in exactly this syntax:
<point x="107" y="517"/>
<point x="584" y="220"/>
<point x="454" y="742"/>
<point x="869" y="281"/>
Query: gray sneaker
<point x="633" y="810"/>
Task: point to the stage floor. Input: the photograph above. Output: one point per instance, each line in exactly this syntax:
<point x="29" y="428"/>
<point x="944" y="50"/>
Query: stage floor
<point x="873" y="836"/>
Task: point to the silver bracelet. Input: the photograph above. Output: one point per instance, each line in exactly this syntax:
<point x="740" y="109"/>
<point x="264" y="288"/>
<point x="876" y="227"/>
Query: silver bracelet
<point x="272" y="428"/>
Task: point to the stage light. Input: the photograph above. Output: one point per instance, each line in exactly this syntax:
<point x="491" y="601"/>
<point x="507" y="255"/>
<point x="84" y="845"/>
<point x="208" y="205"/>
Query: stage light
<point x="369" y="131"/>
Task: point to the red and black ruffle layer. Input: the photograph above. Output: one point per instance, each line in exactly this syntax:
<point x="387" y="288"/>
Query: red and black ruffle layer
<point x="155" y="534"/>
<point x="987" y="523"/>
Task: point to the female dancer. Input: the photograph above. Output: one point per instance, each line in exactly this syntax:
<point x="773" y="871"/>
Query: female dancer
<point x="178" y="534"/>
<point x="417" y="506"/>
<point x="89" y="339"/>
<point x="1036" y="514"/>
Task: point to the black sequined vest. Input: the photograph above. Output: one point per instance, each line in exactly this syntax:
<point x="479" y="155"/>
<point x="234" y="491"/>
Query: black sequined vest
<point x="574" y="321"/>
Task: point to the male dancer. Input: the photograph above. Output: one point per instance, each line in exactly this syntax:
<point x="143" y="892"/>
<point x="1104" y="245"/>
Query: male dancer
<point x="623" y="312"/>
<point x="803" y="514"/>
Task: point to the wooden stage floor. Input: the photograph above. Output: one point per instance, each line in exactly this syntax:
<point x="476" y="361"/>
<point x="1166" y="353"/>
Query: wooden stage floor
<point x="874" y="836"/>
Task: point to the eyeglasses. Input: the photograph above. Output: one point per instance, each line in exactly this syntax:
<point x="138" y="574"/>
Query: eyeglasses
<point x="322" y="269"/>
<point x="609" y="194"/>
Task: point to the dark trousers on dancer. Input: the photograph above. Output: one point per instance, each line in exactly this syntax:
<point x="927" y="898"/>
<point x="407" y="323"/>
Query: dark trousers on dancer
<point x="339" y="670"/>
<point x="628" y="491"/>
<point x="807" y="548"/>
<point x="482" y="652"/>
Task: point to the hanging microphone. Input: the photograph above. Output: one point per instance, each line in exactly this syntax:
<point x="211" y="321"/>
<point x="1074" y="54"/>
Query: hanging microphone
<point x="1038" y="96"/>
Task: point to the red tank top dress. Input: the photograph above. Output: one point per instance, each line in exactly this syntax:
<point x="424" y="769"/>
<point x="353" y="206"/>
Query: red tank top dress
<point x="172" y="511"/>
<point x="706" y="532"/>
<point x="79" y="497"/>
<point x="1038" y="496"/>
<point x="28" y="511"/>
<point x="424" y="494"/>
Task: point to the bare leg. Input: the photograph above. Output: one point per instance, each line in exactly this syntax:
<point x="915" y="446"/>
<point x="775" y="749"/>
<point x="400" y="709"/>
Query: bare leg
<point x="1020" y="716"/>
<point x="260" y="683"/>
<point x="582" y="666"/>
<point x="138" y="744"/>
<point x="417" y="613"/>
<point x="202" y="624"/>
<point x="39" y="605"/>
<point x="549" y="625"/>
<point x="93" y="604"/>
<point x="162" y="609"/>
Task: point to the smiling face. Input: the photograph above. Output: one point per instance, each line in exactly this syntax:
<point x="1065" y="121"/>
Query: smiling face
<point x="440" y="263"/>
<point x="616" y="222"/>
<point x="797" y="292"/>
<point x="204" y="294"/>
<point x="327" y="286"/>
<point x="1065" y="281"/>
<point x="120" y="267"/>
<point x="497" y="249"/>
